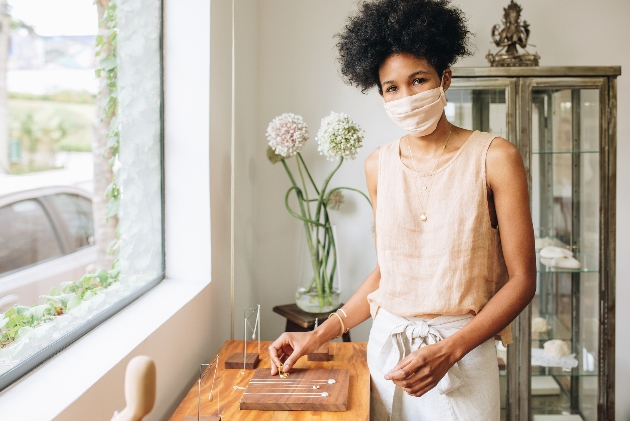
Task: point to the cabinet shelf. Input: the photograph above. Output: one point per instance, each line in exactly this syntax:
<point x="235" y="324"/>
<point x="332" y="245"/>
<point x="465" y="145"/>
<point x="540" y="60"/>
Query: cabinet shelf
<point x="563" y="152"/>
<point x="559" y="372"/>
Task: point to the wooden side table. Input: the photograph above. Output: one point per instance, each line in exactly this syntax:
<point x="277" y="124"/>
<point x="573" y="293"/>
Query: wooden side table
<point x="299" y="320"/>
<point x="349" y="356"/>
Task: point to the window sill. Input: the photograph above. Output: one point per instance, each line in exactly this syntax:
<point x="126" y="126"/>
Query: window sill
<point x="57" y="390"/>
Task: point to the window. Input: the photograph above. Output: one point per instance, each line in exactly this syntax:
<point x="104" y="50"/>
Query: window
<point x="27" y="236"/>
<point x="56" y="262"/>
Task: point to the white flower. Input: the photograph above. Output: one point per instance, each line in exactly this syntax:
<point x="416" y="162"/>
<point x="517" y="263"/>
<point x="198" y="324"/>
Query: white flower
<point x="339" y="136"/>
<point x="287" y="133"/>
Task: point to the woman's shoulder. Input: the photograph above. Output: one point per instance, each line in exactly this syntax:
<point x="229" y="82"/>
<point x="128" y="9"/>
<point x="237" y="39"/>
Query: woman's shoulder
<point x="502" y="158"/>
<point x="496" y="146"/>
<point x="373" y="157"/>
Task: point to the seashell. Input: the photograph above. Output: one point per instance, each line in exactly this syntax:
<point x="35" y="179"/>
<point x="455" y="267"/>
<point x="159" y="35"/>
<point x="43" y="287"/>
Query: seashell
<point x="540" y="325"/>
<point x="551" y="252"/>
<point x="557" y="348"/>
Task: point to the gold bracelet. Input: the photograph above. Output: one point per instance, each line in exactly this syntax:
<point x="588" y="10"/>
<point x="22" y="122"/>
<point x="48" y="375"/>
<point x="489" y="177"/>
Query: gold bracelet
<point x="343" y="327"/>
<point x="346" y="316"/>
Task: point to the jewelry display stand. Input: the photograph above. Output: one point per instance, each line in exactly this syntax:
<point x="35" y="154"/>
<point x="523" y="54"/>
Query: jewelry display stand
<point x="204" y="369"/>
<point x="247" y="360"/>
<point x="313" y="389"/>
<point x="322" y="353"/>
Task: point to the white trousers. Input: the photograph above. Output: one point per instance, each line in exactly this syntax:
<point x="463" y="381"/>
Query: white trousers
<point x="468" y="392"/>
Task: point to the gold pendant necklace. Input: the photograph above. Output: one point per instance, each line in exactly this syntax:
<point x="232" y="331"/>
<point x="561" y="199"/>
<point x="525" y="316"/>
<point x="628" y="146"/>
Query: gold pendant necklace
<point x="423" y="216"/>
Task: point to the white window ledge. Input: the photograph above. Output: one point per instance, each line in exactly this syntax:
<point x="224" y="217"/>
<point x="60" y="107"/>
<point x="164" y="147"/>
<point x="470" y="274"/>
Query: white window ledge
<point x="86" y="380"/>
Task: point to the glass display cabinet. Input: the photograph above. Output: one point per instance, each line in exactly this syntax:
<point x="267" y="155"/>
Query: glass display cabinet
<point x="563" y="120"/>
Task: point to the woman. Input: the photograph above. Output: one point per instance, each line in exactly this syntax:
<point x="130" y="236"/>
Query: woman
<point x="446" y="282"/>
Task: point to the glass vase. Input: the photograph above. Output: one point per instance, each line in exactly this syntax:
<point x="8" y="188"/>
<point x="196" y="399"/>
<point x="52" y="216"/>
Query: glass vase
<point x="309" y="300"/>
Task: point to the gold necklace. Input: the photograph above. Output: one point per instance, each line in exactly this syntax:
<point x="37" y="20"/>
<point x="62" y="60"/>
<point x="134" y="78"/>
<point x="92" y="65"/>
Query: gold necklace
<point x="423" y="216"/>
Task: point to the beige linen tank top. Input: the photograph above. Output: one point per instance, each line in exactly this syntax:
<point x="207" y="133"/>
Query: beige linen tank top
<point x="450" y="264"/>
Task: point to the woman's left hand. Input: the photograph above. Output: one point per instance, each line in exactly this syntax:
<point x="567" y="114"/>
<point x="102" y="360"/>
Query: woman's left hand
<point x="421" y="370"/>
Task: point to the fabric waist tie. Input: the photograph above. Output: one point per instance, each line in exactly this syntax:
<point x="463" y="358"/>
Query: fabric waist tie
<point x="411" y="334"/>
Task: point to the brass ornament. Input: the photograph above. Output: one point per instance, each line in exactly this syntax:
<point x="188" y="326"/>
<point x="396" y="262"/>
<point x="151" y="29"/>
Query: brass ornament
<point x="509" y="38"/>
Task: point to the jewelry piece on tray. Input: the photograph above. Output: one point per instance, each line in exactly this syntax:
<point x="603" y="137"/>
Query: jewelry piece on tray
<point x="281" y="373"/>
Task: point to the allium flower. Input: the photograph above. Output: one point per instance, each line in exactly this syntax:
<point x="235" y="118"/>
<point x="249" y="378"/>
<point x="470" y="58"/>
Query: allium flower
<point x="287" y="133"/>
<point x="335" y="200"/>
<point x="339" y="136"/>
<point x="272" y="156"/>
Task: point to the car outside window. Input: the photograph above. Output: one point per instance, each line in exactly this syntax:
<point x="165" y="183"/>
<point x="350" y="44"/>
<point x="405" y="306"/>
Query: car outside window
<point x="76" y="213"/>
<point x="26" y="237"/>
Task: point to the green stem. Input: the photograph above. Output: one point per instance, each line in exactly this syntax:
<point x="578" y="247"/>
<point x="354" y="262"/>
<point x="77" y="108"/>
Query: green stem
<point x="313" y="251"/>
<point x="300" y="200"/>
<point x="348" y="188"/>
<point x="324" y="274"/>
<point x="320" y="202"/>
<point x="332" y="246"/>
<point x="299" y="155"/>
<point x="308" y="208"/>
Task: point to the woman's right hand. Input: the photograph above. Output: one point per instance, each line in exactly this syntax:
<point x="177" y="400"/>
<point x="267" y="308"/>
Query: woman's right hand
<point x="289" y="347"/>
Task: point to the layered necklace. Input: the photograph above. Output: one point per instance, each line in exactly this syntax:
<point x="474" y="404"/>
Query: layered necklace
<point x="423" y="215"/>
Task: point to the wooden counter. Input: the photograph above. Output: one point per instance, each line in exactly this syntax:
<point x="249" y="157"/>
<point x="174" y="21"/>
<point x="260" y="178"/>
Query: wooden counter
<point x="347" y="355"/>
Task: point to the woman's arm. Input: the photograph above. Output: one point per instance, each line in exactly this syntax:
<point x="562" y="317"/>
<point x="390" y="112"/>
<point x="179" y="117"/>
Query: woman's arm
<point x="422" y="370"/>
<point x="290" y="346"/>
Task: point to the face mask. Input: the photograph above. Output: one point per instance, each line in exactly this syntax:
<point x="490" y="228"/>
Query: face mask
<point x="418" y="114"/>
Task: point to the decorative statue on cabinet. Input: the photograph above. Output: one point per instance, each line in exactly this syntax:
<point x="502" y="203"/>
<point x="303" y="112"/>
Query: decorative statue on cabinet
<point x="509" y="38"/>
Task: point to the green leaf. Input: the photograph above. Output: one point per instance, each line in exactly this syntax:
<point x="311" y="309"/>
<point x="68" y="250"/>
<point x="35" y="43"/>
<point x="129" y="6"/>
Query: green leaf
<point x="23" y="310"/>
<point x="74" y="301"/>
<point x="111" y="140"/>
<point x="59" y="299"/>
<point x="88" y="296"/>
<point x="109" y="62"/>
<point x="112" y="207"/>
<point x="39" y="311"/>
<point x="103" y="275"/>
<point x="3" y="322"/>
<point x="53" y="291"/>
<point x="64" y="286"/>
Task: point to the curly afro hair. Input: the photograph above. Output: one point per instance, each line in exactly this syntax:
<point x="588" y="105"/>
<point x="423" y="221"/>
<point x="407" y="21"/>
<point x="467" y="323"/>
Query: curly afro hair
<point x="433" y="30"/>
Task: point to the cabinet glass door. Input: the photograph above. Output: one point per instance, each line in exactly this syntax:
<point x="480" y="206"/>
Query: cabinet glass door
<point x="565" y="179"/>
<point x="484" y="105"/>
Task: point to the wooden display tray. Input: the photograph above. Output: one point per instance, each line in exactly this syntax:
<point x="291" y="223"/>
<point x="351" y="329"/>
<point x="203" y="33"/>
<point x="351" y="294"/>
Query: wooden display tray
<point x="236" y="361"/>
<point x="276" y="397"/>
<point x="349" y="356"/>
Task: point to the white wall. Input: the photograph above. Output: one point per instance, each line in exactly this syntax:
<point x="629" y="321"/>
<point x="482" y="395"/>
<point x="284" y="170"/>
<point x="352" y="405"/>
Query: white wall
<point x="293" y="67"/>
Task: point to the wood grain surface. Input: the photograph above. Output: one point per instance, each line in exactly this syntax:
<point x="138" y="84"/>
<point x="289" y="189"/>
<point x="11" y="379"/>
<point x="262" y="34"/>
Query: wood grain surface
<point x="347" y="355"/>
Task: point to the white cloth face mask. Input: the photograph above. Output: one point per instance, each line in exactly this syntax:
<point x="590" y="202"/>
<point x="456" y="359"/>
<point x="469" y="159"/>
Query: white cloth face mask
<point x="418" y="114"/>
